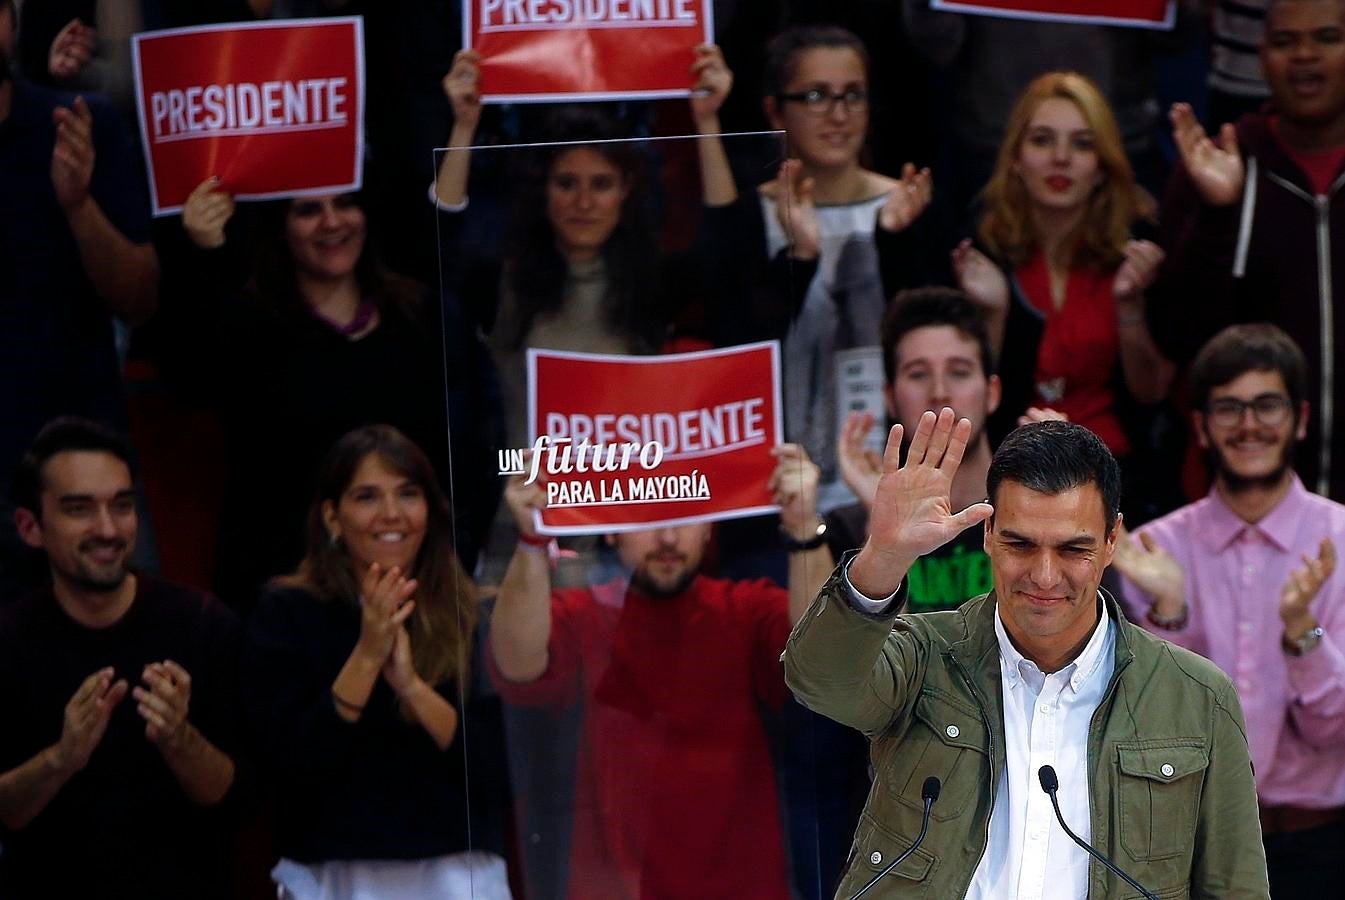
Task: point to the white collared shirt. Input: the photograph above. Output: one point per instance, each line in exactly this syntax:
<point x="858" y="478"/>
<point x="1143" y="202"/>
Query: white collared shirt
<point x="1046" y="719"/>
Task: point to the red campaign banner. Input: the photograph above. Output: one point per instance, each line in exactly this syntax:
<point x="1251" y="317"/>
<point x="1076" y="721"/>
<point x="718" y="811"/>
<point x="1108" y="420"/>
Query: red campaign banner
<point x="274" y="109"/>
<point x="1156" y="14"/>
<point x="562" y="50"/>
<point x="630" y="442"/>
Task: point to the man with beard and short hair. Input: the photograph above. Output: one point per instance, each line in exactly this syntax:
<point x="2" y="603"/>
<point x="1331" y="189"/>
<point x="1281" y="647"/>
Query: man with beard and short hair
<point x="118" y="696"/>
<point x="1247" y="577"/>
<point x="668" y="670"/>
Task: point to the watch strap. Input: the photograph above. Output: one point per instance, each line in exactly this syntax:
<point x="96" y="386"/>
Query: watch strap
<point x="794" y="545"/>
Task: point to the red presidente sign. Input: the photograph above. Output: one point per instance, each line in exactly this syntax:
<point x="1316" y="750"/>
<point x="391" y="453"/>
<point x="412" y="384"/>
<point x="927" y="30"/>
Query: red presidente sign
<point x="275" y="109"/>
<point x="629" y="442"/>
<point x="556" y="50"/>
<point x="1160" y="14"/>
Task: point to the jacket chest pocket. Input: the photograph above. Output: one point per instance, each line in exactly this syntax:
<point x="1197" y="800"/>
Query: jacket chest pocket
<point x="1159" y="789"/>
<point x="948" y="740"/>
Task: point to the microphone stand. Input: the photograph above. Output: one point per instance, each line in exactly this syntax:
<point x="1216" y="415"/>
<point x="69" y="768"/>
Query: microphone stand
<point x="1050" y="785"/>
<point x="929" y="793"/>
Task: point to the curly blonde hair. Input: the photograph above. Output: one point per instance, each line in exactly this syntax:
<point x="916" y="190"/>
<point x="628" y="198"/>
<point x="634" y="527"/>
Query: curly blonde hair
<point x="1007" y="228"/>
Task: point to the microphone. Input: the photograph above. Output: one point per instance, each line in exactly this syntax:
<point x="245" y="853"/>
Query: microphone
<point x="929" y="792"/>
<point x="1050" y="784"/>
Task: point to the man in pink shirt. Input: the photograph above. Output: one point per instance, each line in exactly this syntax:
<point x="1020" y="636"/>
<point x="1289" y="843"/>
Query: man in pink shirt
<point x="1247" y="577"/>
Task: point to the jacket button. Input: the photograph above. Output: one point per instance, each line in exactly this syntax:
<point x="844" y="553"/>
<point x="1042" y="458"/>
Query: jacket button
<point x="875" y="857"/>
<point x="952" y="731"/>
<point x="1167" y="770"/>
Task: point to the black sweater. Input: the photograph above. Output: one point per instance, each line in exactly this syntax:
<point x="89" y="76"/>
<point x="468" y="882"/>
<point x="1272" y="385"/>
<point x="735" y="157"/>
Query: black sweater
<point x="378" y="788"/>
<point x="121" y="827"/>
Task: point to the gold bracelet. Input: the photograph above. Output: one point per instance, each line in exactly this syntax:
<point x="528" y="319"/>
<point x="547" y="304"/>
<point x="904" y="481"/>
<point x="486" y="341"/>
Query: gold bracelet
<point x="341" y="701"/>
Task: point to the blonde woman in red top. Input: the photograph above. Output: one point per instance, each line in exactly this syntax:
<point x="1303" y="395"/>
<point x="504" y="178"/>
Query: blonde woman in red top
<point x="1056" y="268"/>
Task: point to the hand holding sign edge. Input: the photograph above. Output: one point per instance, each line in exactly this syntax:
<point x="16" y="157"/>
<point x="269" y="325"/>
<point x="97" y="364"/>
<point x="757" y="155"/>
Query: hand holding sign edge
<point x="912" y="513"/>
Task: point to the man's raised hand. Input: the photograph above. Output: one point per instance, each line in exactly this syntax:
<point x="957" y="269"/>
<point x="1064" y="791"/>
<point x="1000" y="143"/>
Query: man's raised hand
<point x="1302" y="588"/>
<point x="163" y="699"/>
<point x="72" y="155"/>
<point x="1154" y="570"/>
<point x="860" y="467"/>
<point x="912" y="514"/>
<point x="1215" y="166"/>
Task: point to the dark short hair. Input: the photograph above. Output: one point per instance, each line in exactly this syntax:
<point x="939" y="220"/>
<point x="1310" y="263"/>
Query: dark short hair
<point x="1272" y="5"/>
<point x="1239" y="349"/>
<point x="1054" y="457"/>
<point x="929" y="306"/>
<point x="782" y="53"/>
<point x="64" y="435"/>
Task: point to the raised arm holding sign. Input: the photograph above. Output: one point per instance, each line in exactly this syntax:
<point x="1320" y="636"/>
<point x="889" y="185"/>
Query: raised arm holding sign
<point x="669" y="668"/>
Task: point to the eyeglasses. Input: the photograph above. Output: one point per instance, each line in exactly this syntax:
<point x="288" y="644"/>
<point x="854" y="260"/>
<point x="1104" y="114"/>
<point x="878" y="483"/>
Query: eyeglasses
<point x="818" y="102"/>
<point x="1269" y="409"/>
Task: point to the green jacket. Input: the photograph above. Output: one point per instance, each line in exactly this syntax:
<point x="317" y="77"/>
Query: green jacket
<point x="926" y="691"/>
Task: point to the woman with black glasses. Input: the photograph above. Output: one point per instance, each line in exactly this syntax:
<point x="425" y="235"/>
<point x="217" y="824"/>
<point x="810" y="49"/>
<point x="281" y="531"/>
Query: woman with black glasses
<point x="819" y="211"/>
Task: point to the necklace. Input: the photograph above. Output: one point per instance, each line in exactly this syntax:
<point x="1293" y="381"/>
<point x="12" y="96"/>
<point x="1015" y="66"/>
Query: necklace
<point x="363" y="315"/>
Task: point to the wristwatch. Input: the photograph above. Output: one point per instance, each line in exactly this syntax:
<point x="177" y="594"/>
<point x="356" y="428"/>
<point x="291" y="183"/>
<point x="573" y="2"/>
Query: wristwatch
<point x="794" y="545"/>
<point x="1305" y="644"/>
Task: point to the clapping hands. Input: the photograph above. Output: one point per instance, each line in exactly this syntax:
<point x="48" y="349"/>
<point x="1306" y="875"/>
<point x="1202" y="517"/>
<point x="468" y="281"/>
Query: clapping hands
<point x="1215" y="167"/>
<point x="162" y="700"/>
<point x="73" y="155"/>
<point x="1302" y="586"/>
<point x="86" y="717"/>
<point x="385" y="605"/>
<point x="795" y="210"/>
<point x="860" y="467"/>
<point x="907" y="200"/>
<point x="71" y="50"/>
<point x="1153" y="570"/>
<point x="1137" y="271"/>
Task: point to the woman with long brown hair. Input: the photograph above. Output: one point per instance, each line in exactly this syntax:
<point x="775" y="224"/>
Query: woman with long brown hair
<point x="288" y="321"/>
<point x="357" y="683"/>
